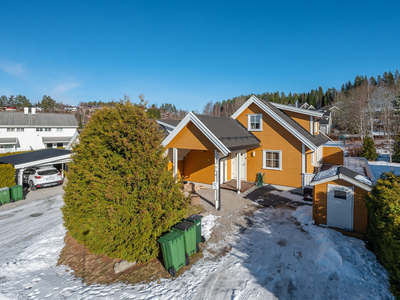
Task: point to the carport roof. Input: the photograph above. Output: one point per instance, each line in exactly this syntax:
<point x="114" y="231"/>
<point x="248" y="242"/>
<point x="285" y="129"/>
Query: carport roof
<point x="38" y="156"/>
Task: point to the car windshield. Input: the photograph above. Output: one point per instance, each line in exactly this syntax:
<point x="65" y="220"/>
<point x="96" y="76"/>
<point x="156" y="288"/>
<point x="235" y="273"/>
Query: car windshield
<point x="48" y="172"/>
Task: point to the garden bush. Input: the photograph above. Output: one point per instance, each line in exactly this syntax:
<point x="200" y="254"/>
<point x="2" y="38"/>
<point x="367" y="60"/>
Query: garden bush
<point x="120" y="197"/>
<point x="7" y="175"/>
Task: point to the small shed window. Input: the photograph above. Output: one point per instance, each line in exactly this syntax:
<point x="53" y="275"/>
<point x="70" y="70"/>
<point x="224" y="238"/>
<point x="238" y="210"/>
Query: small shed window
<point x="340" y="194"/>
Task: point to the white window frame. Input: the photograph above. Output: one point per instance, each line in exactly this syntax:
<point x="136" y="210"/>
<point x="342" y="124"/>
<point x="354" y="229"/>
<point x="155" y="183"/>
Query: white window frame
<point x="249" y="122"/>
<point x="280" y="160"/>
<point x="59" y="129"/>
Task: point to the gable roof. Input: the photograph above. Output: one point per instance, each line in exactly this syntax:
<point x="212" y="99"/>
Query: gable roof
<point x="230" y="132"/>
<point x="343" y="173"/>
<point x="226" y="134"/>
<point x="300" y="110"/>
<point x="42" y="119"/>
<point x="311" y="141"/>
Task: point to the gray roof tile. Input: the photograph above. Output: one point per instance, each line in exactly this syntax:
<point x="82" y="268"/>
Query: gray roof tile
<point x="40" y="119"/>
<point x="230" y="132"/>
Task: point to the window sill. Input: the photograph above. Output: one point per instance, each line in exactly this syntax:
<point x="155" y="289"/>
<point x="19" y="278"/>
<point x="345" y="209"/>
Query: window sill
<point x="254" y="129"/>
<point x="276" y="169"/>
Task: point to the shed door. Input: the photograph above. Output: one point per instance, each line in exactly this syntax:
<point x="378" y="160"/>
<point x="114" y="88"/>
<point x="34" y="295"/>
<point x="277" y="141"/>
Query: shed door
<point x="340" y="206"/>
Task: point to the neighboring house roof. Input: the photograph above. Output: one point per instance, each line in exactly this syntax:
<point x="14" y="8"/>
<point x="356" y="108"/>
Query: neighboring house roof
<point x="226" y="134"/>
<point x="173" y="123"/>
<point x="343" y="173"/>
<point x="35" y="157"/>
<point x="311" y="141"/>
<point x="300" y="110"/>
<point x="42" y="119"/>
<point x="325" y="118"/>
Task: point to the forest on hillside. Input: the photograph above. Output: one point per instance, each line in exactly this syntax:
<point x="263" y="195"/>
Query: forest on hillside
<point x="317" y="98"/>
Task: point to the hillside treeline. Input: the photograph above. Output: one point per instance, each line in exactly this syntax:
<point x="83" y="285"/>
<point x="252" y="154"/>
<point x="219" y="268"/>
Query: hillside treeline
<point x="317" y="98"/>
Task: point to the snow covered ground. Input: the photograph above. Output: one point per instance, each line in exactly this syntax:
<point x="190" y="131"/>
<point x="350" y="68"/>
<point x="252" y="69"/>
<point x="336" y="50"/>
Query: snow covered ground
<point x="281" y="256"/>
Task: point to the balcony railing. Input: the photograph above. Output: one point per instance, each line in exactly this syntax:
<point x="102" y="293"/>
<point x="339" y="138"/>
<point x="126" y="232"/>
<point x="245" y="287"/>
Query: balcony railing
<point x="307" y="177"/>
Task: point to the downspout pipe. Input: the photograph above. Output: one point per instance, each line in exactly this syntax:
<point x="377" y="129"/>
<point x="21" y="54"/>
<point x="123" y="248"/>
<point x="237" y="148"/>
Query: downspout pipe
<point x="219" y="181"/>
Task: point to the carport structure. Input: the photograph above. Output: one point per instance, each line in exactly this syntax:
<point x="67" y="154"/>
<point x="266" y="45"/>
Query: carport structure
<point x="43" y="157"/>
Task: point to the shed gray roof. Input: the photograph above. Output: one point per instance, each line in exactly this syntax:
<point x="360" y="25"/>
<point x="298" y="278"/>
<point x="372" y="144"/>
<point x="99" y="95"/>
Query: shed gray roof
<point x="337" y="171"/>
<point x="23" y="158"/>
<point x="317" y="139"/>
<point x="40" y="119"/>
<point x="230" y="132"/>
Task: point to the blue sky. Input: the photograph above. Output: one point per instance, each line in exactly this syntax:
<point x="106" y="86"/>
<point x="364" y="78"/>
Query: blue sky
<point x="190" y="52"/>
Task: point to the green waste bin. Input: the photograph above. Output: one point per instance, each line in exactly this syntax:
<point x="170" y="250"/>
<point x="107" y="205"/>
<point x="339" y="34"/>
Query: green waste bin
<point x="173" y="251"/>
<point x="4" y="195"/>
<point x="189" y="237"/>
<point x="196" y="219"/>
<point x="16" y="193"/>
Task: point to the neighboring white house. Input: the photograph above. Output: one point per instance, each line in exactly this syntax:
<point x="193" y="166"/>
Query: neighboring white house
<point x="30" y="131"/>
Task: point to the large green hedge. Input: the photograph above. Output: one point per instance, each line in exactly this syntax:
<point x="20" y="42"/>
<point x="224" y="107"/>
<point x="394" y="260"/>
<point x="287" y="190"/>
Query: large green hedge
<point x="383" y="204"/>
<point x="120" y="197"/>
<point x="7" y="175"/>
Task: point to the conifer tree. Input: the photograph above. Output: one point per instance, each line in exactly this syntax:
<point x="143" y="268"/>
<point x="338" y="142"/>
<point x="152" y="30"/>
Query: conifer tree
<point x="120" y="197"/>
<point x="396" y="149"/>
<point x="369" y="151"/>
<point x="383" y="226"/>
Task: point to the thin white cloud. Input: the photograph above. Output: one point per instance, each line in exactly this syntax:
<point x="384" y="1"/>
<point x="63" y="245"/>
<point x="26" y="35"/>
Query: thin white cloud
<point x="12" y="68"/>
<point x="67" y="86"/>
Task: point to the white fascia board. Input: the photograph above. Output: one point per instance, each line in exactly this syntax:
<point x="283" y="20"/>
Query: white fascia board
<point x="356" y="182"/>
<point x="191" y="117"/>
<point x="259" y="103"/>
<point x="44" y="161"/>
<point x="282" y="122"/>
<point x="325" y="180"/>
<point x="165" y="124"/>
<point x="243" y="107"/>
<point x="177" y="129"/>
<point x="298" y="110"/>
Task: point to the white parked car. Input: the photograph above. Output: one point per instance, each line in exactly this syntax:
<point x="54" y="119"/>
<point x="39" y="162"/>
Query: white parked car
<point x="40" y="177"/>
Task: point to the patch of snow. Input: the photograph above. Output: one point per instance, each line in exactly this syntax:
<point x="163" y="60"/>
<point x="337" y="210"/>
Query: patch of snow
<point x="274" y="259"/>
<point x="363" y="179"/>
<point x="325" y="174"/>
<point x="303" y="214"/>
<point x="207" y="224"/>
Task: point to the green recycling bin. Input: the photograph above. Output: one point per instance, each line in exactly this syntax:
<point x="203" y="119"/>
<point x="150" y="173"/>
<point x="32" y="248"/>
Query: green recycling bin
<point x="16" y="193"/>
<point x="189" y="237"/>
<point x="196" y="219"/>
<point x="4" y="195"/>
<point x="173" y="251"/>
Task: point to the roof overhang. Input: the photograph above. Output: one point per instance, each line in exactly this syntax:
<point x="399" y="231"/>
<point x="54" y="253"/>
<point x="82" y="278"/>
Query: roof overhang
<point x="190" y="117"/>
<point x="345" y="178"/>
<point x="277" y="118"/>
<point x="57" y="139"/>
<point x="8" y="141"/>
<point x="298" y="110"/>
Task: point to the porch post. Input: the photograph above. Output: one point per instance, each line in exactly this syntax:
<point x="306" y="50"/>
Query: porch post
<point x="20" y="176"/>
<point x="216" y="177"/>
<point x="238" y="181"/>
<point x="175" y="161"/>
<point x="303" y="164"/>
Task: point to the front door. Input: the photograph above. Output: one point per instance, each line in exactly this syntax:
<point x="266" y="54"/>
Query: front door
<point x="340" y="207"/>
<point x="223" y="170"/>
<point x="243" y="164"/>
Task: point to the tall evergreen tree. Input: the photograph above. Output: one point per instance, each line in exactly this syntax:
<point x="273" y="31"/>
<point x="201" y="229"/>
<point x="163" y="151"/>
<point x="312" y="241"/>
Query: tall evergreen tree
<point x="120" y="197"/>
<point x="369" y="151"/>
<point x="396" y="149"/>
